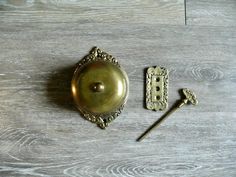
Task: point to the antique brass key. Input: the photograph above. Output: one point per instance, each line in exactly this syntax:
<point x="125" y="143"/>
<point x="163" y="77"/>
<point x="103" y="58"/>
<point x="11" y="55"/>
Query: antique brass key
<point x="190" y="97"/>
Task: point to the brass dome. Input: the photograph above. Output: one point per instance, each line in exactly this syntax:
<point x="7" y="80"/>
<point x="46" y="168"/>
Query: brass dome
<point x="99" y="87"/>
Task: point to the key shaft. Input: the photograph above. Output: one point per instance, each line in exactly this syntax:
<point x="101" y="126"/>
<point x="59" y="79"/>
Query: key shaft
<point x="158" y="122"/>
<point x="190" y="97"/>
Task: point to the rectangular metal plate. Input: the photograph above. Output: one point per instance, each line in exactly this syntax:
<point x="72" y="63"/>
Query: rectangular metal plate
<point x="157" y="88"/>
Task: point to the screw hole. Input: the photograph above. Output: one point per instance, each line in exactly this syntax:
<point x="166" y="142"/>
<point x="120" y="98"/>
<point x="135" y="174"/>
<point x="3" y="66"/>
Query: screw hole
<point x="157" y="88"/>
<point x="158" y="97"/>
<point x="157" y="79"/>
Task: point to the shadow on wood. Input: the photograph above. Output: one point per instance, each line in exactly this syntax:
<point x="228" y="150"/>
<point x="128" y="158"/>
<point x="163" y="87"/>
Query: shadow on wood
<point x="59" y="88"/>
<point x="144" y="87"/>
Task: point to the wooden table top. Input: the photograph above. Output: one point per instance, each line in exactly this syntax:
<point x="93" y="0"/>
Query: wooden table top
<point x="42" y="134"/>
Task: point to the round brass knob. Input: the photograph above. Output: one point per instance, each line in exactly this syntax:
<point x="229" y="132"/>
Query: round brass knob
<point x="99" y="87"/>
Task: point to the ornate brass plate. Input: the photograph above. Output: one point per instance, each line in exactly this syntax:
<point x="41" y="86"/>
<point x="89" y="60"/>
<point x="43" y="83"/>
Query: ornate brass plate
<point x="99" y="87"/>
<point x="157" y="88"/>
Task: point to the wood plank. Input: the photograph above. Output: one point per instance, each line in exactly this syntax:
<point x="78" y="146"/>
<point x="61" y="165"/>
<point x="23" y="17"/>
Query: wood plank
<point x="146" y="11"/>
<point x="211" y="12"/>
<point x="41" y="134"/>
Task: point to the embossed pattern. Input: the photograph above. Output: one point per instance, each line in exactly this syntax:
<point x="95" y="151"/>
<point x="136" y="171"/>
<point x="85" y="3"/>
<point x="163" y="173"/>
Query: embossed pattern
<point x="157" y="88"/>
<point x="102" y="120"/>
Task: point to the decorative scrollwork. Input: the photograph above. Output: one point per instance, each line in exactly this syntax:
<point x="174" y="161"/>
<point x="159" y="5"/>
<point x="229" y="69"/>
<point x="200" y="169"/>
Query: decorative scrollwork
<point x="97" y="54"/>
<point x="157" y="88"/>
<point x="102" y="120"/>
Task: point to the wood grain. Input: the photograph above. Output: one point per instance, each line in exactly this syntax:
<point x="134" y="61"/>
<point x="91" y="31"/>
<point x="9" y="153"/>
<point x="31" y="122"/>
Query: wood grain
<point x="87" y="11"/>
<point x="41" y="133"/>
<point x="211" y="12"/>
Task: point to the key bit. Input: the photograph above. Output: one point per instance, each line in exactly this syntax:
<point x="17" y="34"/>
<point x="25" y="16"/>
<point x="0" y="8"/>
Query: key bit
<point x="189" y="97"/>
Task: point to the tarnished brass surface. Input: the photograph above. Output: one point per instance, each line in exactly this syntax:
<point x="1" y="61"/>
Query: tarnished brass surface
<point x="157" y="88"/>
<point x="99" y="87"/>
<point x="189" y="97"/>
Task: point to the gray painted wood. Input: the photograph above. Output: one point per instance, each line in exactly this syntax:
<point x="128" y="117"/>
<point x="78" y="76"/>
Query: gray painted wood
<point x="41" y="134"/>
<point x="211" y="12"/>
<point x="88" y="11"/>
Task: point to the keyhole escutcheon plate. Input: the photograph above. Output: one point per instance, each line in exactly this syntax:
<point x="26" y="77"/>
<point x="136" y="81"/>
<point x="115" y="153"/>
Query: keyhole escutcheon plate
<point x="157" y="88"/>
